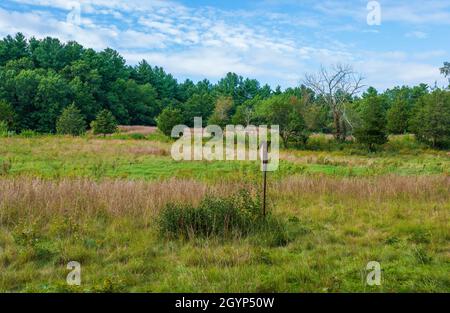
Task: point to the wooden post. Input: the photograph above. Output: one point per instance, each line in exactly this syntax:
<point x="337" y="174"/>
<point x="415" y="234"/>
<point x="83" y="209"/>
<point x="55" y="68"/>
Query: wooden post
<point x="264" y="161"/>
<point x="264" y="193"/>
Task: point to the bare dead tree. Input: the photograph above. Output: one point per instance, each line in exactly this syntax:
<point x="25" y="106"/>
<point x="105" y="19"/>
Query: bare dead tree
<point x="336" y="86"/>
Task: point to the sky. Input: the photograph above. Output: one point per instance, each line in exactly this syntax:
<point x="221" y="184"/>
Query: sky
<point x="390" y="43"/>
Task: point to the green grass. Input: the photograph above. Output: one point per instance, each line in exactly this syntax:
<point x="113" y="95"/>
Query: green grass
<point x="340" y="209"/>
<point x="55" y="157"/>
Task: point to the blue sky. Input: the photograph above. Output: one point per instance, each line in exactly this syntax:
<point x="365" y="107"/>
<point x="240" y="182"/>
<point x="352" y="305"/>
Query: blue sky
<point x="276" y="42"/>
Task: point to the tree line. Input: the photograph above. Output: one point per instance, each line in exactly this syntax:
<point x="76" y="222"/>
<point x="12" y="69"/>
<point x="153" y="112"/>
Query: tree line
<point x="49" y="86"/>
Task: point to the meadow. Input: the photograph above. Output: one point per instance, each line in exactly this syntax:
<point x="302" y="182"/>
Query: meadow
<point x="97" y="201"/>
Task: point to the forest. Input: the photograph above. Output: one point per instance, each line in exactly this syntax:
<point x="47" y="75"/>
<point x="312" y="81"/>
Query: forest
<point x="41" y="78"/>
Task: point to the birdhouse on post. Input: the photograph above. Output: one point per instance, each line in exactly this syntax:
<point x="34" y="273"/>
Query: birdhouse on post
<point x="264" y="154"/>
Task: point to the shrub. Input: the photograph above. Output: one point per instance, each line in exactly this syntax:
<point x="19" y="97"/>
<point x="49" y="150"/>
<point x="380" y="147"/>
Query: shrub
<point x="405" y="143"/>
<point x="28" y="133"/>
<point x="105" y="123"/>
<point x="123" y="136"/>
<point x="71" y="122"/>
<point x="236" y="216"/>
<point x="5" y="167"/>
<point x="168" y="119"/>
<point x="3" y="129"/>
<point x="137" y="136"/>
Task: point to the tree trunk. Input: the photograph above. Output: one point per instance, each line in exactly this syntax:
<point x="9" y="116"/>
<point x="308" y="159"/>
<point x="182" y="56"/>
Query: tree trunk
<point x="337" y="125"/>
<point x="343" y="130"/>
<point x="285" y="139"/>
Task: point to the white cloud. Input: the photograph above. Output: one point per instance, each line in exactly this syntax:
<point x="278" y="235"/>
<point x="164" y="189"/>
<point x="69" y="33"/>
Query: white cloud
<point x="208" y="42"/>
<point x="403" y="11"/>
<point x="416" y="34"/>
<point x="386" y="73"/>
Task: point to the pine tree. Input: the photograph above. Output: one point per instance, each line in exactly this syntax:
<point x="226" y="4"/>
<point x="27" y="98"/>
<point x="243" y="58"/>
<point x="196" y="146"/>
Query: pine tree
<point x="168" y="119"/>
<point x="71" y="122"/>
<point x="372" y="129"/>
<point x="105" y="123"/>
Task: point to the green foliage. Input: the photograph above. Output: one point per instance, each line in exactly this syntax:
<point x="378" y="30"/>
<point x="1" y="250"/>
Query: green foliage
<point x="287" y="112"/>
<point x="7" y="114"/>
<point x="431" y="122"/>
<point x="28" y="133"/>
<point x="445" y="70"/>
<point x="222" y="112"/>
<point x="245" y="114"/>
<point x="71" y="122"/>
<point x="398" y="117"/>
<point x="5" y="167"/>
<point x="372" y="130"/>
<point x="41" y="77"/>
<point x="316" y="118"/>
<point x="230" y="217"/>
<point x="133" y="104"/>
<point x="198" y="105"/>
<point x="168" y="119"/>
<point x="3" y="129"/>
<point x="105" y="123"/>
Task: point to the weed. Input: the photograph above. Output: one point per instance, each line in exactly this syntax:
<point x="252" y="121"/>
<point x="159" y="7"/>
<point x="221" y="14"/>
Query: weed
<point x="5" y="167"/>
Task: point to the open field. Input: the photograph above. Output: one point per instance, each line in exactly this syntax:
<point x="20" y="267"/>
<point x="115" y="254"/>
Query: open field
<point x="57" y="157"/>
<point x="97" y="201"/>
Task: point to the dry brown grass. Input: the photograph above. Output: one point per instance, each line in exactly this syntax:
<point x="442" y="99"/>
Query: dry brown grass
<point x="26" y="197"/>
<point x="144" y="130"/>
<point x="367" y="187"/>
<point x="148" y="150"/>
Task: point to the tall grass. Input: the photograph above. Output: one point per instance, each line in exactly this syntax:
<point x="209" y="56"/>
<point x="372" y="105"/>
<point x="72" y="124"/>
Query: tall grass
<point x="28" y="198"/>
<point x="24" y="197"/>
<point x="366" y="188"/>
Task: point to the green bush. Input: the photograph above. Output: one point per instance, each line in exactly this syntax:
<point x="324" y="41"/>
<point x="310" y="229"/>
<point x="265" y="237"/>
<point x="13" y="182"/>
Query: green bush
<point x="320" y="142"/>
<point x="3" y="129"/>
<point x="28" y="133"/>
<point x="5" y="167"/>
<point x="168" y="119"/>
<point x="399" y="143"/>
<point x="229" y="217"/>
<point x="122" y="136"/>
